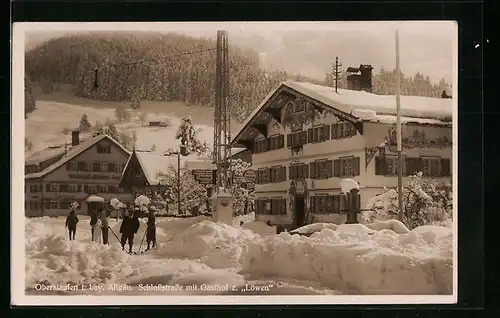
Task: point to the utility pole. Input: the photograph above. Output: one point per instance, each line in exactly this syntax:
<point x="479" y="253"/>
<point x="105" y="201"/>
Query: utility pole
<point x="222" y="113"/>
<point x="336" y="72"/>
<point x="398" y="127"/>
<point x="179" y="182"/>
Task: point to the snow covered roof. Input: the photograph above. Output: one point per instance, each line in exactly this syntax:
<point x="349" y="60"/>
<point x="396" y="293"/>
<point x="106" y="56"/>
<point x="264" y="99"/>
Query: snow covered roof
<point x="44" y="154"/>
<point x="363" y="105"/>
<point x="348" y="100"/>
<point x="153" y="163"/>
<point x="73" y="152"/>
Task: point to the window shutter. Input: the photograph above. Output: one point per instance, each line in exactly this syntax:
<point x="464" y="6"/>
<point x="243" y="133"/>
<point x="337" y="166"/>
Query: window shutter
<point x="343" y="203"/>
<point x="378" y="171"/>
<point x="289" y="140"/>
<point x="290" y="174"/>
<point x="420" y="165"/>
<point x="282" y="141"/>
<point x="306" y="171"/>
<point x="326" y="134"/>
<point x="313" y="204"/>
<point x="282" y="174"/>
<point x="355" y="166"/>
<point x="96" y="166"/>
<point x="257" y="177"/>
<point x="47" y="187"/>
<point x="334" y="131"/>
<point x="111" y="167"/>
<point x="329" y="165"/>
<point x="336" y="168"/>
<point x="445" y="168"/>
<point x="311" y="170"/>
<point x="310" y="135"/>
<point x="303" y="135"/>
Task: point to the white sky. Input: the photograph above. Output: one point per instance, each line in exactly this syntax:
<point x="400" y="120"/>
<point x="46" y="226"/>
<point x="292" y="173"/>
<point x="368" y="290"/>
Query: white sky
<point x="309" y="48"/>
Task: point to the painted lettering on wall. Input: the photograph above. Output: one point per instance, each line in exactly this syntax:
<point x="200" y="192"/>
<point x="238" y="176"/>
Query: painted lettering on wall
<point x="93" y="176"/>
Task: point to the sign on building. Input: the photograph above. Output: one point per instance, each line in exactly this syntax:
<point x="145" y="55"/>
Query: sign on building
<point x="204" y="176"/>
<point x="250" y="176"/>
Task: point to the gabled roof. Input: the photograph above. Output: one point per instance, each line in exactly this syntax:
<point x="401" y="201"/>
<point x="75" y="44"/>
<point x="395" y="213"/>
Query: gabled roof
<point x="361" y="105"/>
<point x="73" y="152"/>
<point x="152" y="164"/>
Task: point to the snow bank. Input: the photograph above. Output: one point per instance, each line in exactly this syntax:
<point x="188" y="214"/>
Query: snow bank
<point x="358" y="259"/>
<point x="54" y="260"/>
<point x="394" y="225"/>
<point x="245" y="218"/>
<point x="315" y="227"/>
<point x="260" y="228"/>
<point x="217" y="245"/>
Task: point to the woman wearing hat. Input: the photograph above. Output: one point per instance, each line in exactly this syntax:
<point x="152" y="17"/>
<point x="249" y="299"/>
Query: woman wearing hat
<point x="151" y="229"/>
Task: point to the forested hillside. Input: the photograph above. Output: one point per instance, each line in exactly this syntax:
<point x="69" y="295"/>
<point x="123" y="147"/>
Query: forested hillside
<point x="153" y="66"/>
<point x="189" y="78"/>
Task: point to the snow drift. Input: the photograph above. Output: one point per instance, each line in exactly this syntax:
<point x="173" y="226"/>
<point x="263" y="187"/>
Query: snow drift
<point x="54" y="260"/>
<point x="418" y="262"/>
<point x="217" y="245"/>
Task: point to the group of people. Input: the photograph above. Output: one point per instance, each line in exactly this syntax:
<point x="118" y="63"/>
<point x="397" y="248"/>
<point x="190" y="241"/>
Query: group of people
<point x="99" y="223"/>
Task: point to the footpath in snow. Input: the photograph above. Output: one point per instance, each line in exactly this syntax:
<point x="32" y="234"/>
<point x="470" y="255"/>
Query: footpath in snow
<point x="381" y="258"/>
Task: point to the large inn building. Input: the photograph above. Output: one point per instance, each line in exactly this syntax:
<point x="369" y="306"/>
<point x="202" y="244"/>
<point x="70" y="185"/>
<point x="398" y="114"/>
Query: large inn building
<point x="306" y="138"/>
<point x="58" y="176"/>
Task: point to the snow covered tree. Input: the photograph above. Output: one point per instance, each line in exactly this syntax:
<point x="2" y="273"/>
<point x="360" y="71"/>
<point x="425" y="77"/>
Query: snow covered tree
<point x="192" y="193"/>
<point x="242" y="196"/>
<point x="120" y="114"/>
<point x="112" y="132"/>
<point x="136" y="101"/>
<point x="424" y="202"/>
<point x="99" y="128"/>
<point x="84" y="123"/>
<point x="189" y="136"/>
<point x="29" y="100"/>
<point x="143" y="116"/>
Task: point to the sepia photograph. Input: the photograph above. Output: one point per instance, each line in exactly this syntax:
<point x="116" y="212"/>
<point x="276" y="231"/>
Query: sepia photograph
<point x="231" y="163"/>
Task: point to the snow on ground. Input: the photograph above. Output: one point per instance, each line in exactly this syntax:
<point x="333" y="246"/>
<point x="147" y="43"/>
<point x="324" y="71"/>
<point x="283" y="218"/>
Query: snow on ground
<point x="42" y="132"/>
<point x="198" y="251"/>
<point x="418" y="262"/>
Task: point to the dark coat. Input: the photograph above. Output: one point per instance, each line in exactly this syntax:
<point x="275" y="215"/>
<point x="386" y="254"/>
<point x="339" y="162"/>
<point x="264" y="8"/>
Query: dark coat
<point x="71" y="221"/>
<point x="151" y="230"/>
<point x="129" y="226"/>
<point x="93" y="218"/>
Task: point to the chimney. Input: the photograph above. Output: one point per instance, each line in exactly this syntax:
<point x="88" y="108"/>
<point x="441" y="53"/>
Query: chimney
<point x="75" y="137"/>
<point x="366" y="77"/>
<point x="360" y="78"/>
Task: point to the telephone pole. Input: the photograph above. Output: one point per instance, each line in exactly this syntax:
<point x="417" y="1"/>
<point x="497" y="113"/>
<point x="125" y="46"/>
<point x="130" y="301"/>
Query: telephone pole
<point x="336" y="72"/>
<point x="222" y="113"/>
<point x="398" y="128"/>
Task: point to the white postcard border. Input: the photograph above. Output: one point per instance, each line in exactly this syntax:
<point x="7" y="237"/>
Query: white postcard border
<point x="18" y="296"/>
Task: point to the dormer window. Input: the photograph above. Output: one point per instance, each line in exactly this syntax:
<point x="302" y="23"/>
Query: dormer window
<point x="299" y="105"/>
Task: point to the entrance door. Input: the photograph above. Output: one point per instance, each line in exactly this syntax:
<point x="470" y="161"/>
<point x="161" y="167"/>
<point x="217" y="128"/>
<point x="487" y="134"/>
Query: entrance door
<point x="300" y="211"/>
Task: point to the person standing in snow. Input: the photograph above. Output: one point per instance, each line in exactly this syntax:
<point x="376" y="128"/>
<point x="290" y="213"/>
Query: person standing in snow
<point x="151" y="229"/>
<point x="93" y="221"/>
<point x="104" y="226"/>
<point x="129" y="227"/>
<point x="71" y="222"/>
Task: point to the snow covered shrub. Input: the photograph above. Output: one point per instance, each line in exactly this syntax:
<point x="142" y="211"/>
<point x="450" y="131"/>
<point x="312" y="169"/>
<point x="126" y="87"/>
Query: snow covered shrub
<point x="193" y="194"/>
<point x="424" y="202"/>
<point x="242" y="196"/>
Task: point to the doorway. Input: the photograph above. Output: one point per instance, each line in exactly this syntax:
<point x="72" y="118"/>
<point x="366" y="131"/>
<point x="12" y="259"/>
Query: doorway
<point x="300" y="211"/>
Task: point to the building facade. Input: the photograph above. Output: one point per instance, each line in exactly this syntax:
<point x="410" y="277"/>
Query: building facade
<point x="93" y="166"/>
<point x="306" y="138"/>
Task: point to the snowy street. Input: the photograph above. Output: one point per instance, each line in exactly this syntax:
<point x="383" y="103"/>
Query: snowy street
<point x="198" y="257"/>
